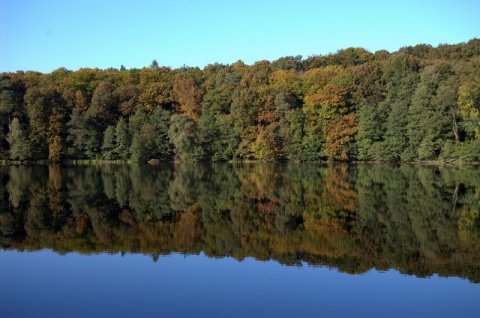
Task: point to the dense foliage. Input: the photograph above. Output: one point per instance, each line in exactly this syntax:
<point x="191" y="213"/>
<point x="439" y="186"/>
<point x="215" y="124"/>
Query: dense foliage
<point x="419" y="220"/>
<point x="420" y="103"/>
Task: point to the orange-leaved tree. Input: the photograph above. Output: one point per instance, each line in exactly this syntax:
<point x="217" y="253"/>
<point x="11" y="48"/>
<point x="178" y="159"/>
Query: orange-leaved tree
<point x="333" y="121"/>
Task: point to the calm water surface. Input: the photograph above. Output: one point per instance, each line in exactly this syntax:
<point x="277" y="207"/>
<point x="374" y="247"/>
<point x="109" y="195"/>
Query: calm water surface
<point x="274" y="240"/>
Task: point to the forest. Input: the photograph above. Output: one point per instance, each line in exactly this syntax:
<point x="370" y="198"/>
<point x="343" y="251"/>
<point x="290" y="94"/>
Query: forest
<point x="421" y="103"/>
<point x="420" y="220"/>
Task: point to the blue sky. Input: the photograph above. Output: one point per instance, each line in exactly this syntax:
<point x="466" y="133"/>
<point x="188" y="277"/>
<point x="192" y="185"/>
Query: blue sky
<point x="44" y="35"/>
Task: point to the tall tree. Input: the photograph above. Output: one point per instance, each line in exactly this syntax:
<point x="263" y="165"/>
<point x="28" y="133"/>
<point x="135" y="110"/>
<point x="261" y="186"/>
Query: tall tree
<point x="7" y="104"/>
<point x="138" y="150"/>
<point x="401" y="77"/>
<point x="160" y="121"/>
<point x="19" y="145"/>
<point x="122" y="139"/>
<point x="109" y="144"/>
<point x="77" y="134"/>
<point x="370" y="132"/>
<point x="428" y="118"/>
<point x="331" y="121"/>
<point x="38" y="114"/>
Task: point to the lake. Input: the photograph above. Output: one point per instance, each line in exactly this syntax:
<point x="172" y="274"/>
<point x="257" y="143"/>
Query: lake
<point x="236" y="240"/>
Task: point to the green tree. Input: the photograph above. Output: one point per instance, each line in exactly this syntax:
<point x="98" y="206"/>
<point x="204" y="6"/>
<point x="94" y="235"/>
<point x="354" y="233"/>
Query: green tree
<point x="122" y="139"/>
<point x="294" y="135"/>
<point x="218" y="98"/>
<point x="428" y="118"/>
<point x="400" y="75"/>
<point x="160" y="144"/>
<point x="183" y="135"/>
<point x="19" y="145"/>
<point x="109" y="144"/>
<point x="38" y="112"/>
<point x="154" y="65"/>
<point x="77" y="134"/>
<point x="208" y="133"/>
<point x="288" y="63"/>
<point x="7" y="104"/>
<point x="138" y="150"/>
<point x="369" y="131"/>
<point x="217" y="137"/>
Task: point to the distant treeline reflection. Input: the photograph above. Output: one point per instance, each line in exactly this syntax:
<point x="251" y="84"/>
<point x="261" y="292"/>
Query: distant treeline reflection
<point x="418" y="220"/>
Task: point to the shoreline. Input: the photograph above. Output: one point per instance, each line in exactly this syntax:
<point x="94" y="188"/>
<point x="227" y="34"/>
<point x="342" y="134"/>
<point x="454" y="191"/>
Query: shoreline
<point x="154" y="162"/>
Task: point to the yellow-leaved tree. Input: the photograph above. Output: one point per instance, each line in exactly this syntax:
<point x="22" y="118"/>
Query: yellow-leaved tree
<point x="332" y="120"/>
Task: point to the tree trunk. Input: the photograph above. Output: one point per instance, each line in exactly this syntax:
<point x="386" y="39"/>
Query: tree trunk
<point x="455" y="126"/>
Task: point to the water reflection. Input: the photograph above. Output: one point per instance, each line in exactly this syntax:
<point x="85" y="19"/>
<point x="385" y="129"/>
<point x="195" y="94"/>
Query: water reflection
<point x="417" y="220"/>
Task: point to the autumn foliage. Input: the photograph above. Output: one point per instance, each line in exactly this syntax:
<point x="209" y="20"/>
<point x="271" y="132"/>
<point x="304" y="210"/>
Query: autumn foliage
<point x="419" y="103"/>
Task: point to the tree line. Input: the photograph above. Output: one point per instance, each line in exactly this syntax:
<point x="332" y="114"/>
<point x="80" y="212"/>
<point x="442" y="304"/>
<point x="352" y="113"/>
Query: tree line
<point x="419" y="220"/>
<point x="419" y="103"/>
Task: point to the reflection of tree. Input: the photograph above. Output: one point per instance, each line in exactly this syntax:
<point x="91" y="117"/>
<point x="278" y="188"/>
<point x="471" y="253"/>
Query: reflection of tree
<point x="188" y="231"/>
<point x="420" y="220"/>
<point x="17" y="185"/>
<point x="183" y="188"/>
<point x="83" y="185"/>
<point x="409" y="209"/>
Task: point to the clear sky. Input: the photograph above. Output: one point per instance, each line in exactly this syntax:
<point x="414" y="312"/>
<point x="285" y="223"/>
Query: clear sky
<point x="44" y="35"/>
